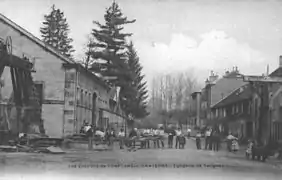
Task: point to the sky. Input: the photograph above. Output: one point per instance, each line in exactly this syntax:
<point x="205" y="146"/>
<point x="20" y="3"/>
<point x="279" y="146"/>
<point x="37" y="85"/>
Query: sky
<point x="175" y="35"/>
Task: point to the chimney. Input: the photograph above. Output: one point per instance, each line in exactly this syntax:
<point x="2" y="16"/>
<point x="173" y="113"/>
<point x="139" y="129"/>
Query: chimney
<point x="207" y="81"/>
<point x="280" y="61"/>
<point x="213" y="77"/>
<point x="267" y="70"/>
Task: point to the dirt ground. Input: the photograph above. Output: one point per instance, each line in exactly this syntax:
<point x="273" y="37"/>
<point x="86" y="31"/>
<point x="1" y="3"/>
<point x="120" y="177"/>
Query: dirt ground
<point x="142" y="163"/>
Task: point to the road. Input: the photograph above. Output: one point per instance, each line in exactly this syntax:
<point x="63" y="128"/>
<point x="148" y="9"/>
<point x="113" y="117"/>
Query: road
<point x="148" y="163"/>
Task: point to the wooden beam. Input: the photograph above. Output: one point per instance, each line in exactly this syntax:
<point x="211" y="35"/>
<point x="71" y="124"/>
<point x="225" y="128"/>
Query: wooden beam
<point x="14" y="86"/>
<point x="25" y="87"/>
<point x="17" y="62"/>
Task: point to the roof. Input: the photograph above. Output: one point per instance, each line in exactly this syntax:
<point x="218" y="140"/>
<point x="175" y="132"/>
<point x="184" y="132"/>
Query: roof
<point x="224" y="87"/>
<point x="277" y="72"/>
<point x="30" y="36"/>
<point x="80" y="68"/>
<point x="242" y="93"/>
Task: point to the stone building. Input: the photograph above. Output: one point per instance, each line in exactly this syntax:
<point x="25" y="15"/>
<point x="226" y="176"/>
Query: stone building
<point x="234" y="113"/>
<point x="89" y="99"/>
<point x="49" y="76"/>
<point x="70" y="94"/>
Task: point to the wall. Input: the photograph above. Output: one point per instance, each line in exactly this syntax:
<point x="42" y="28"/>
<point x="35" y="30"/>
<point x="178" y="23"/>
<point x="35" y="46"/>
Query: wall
<point x="87" y="86"/>
<point x="69" y="119"/>
<point x="48" y="69"/>
<point x="53" y="120"/>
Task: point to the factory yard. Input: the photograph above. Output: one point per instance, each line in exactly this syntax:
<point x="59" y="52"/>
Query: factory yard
<point x="147" y="163"/>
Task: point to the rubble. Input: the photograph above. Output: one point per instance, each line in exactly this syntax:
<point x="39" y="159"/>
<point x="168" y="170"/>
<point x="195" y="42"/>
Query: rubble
<point x="6" y="148"/>
<point x="37" y="143"/>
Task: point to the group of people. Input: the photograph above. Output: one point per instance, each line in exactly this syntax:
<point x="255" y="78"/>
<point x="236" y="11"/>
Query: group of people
<point x="213" y="140"/>
<point x="107" y="135"/>
<point x="157" y="136"/>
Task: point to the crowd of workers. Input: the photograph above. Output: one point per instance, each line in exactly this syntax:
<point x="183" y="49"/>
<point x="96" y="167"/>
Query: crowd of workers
<point x="144" y="136"/>
<point x="211" y="136"/>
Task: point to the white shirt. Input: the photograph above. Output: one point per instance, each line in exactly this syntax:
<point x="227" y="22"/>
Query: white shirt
<point x="100" y="133"/>
<point x="189" y="130"/>
<point x="121" y="134"/>
<point x="208" y="133"/>
<point x="156" y="132"/>
<point x="229" y="137"/>
<point x="161" y="132"/>
<point x="178" y="132"/>
<point x="86" y="128"/>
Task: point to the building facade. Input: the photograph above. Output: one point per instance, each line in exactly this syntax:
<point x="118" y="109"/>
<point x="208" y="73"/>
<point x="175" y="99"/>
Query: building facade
<point x="88" y="99"/>
<point x="195" y="110"/>
<point x="234" y="113"/>
<point x="49" y="76"/>
<point x="69" y="93"/>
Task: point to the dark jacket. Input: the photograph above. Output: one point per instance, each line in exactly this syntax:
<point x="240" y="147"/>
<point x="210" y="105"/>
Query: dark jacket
<point x="132" y="133"/>
<point x="182" y="140"/>
<point x="172" y="132"/>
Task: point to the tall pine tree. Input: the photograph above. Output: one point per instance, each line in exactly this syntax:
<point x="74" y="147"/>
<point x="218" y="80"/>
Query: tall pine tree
<point x="55" y="32"/>
<point x="139" y="95"/>
<point x="109" y="54"/>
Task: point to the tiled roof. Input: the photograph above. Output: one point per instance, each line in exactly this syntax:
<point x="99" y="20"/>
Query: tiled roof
<point x="241" y="93"/>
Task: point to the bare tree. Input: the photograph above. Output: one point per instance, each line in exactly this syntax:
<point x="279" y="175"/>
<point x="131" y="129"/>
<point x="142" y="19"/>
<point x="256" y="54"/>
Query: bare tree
<point x="171" y="94"/>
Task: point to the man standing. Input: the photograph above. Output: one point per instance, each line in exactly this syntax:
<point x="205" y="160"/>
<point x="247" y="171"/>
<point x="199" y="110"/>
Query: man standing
<point x="162" y="134"/>
<point x="121" y="136"/>
<point x="189" y="132"/>
<point x="216" y="140"/>
<point x="133" y="136"/>
<point x="171" y="133"/>
<point x="207" y="139"/>
<point x="198" y="140"/>
<point x="178" y="132"/>
<point x="156" y="138"/>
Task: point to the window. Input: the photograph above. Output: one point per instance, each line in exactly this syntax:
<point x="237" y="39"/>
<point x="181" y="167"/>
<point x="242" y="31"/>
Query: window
<point x="237" y="108"/>
<point x="242" y="107"/>
<point x="90" y="101"/>
<point x="216" y="113"/>
<point x="86" y="99"/>
<point x="39" y="88"/>
<point x="224" y="112"/>
<point x="78" y="96"/>
<point x="81" y="97"/>
<point x="233" y="109"/>
<point x="249" y="108"/>
<point x="256" y="108"/>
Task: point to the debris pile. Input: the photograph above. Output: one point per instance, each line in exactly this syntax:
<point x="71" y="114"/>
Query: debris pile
<point x="35" y="143"/>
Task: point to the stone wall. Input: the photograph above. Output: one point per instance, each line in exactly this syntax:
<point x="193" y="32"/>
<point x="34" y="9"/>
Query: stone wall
<point x="48" y="70"/>
<point x="87" y="89"/>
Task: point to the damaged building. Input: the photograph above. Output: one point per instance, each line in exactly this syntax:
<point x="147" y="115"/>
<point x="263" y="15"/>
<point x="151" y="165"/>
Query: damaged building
<point x="68" y="94"/>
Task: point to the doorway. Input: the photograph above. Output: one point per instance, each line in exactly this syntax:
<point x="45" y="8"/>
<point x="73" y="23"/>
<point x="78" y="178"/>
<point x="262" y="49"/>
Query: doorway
<point x="94" y="98"/>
